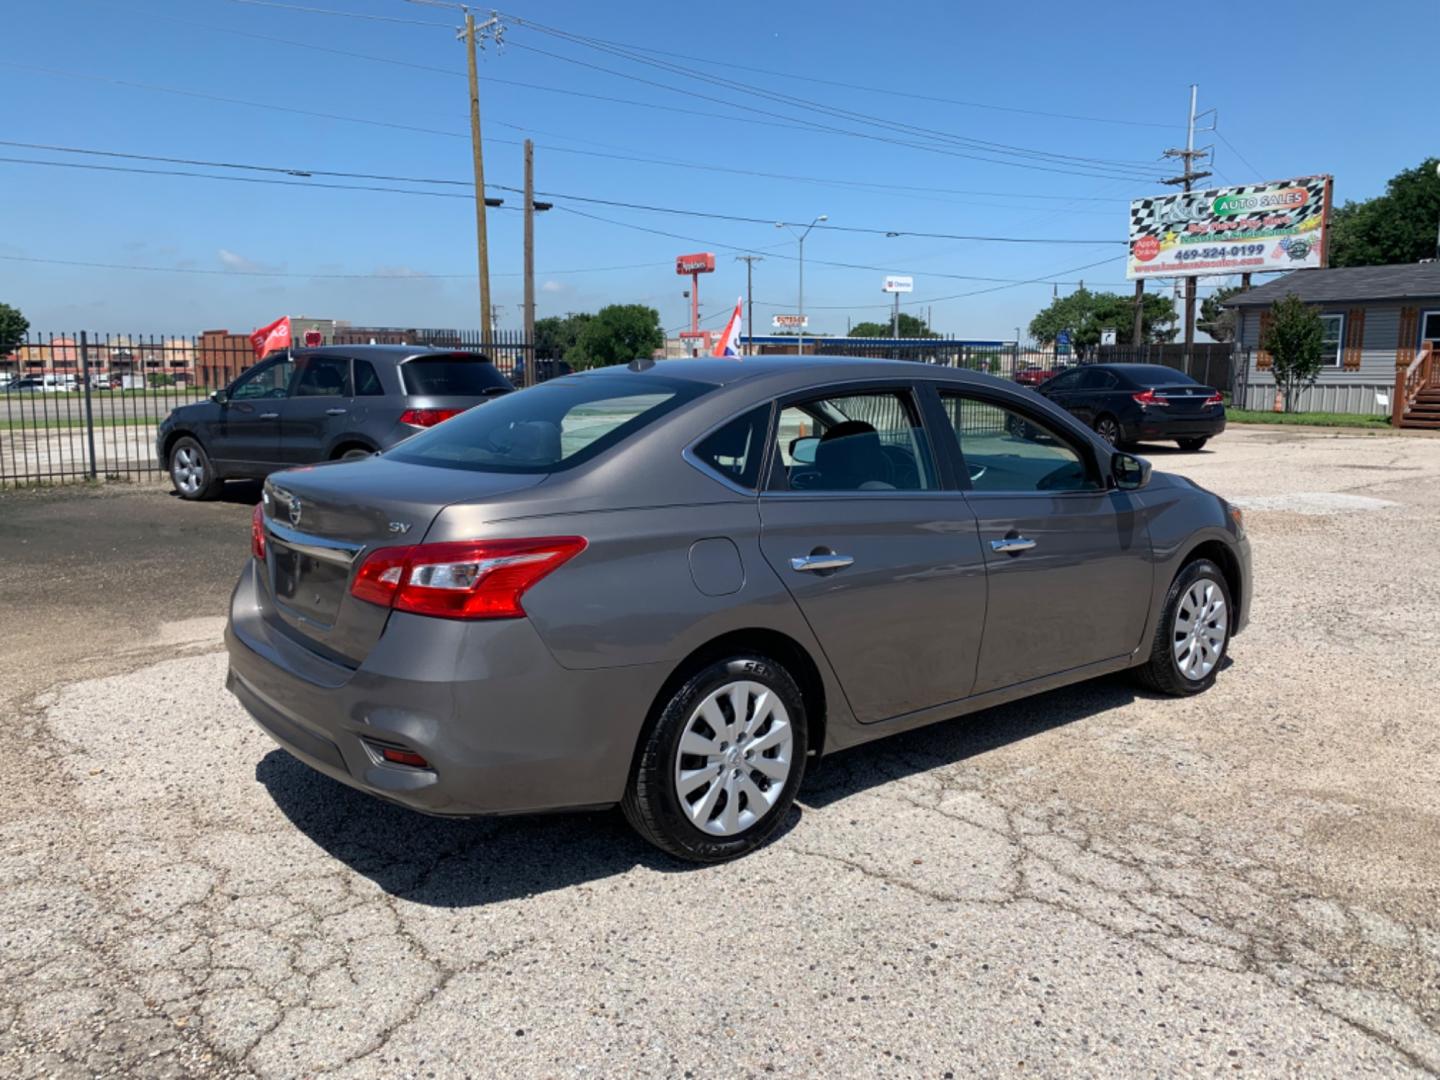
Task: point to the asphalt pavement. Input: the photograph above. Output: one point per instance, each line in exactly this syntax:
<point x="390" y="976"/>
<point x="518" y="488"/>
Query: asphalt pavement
<point x="1093" y="882"/>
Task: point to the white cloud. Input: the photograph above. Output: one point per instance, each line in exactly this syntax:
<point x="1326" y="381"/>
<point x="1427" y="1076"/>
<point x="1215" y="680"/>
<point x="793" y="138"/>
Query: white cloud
<point x="232" y="261"/>
<point x="554" y="287"/>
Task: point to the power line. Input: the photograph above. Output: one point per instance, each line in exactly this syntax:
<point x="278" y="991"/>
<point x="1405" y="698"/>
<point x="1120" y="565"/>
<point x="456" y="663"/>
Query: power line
<point x="303" y="172"/>
<point x="346" y="14"/>
<point x="705" y="75"/>
<point x="302" y="274"/>
<point x="1105" y="173"/>
<point x="1221" y="135"/>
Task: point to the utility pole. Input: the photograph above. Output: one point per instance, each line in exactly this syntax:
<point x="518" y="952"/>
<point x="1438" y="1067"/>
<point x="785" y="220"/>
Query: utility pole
<point x="1137" y="334"/>
<point x="1189" y="156"/>
<point x="482" y="241"/>
<point x="529" y="379"/>
<point x="800" y="236"/>
<point x="750" y="261"/>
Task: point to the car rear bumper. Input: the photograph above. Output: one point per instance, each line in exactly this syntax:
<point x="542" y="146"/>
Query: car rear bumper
<point x="1174" y="427"/>
<point x="504" y="728"/>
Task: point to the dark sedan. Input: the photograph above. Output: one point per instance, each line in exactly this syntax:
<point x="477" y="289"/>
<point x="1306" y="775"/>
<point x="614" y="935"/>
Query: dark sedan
<point x="321" y="404"/>
<point x="674" y="585"/>
<point x="1129" y="403"/>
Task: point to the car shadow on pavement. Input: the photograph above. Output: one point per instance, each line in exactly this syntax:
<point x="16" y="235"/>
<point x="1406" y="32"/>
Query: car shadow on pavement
<point x="449" y="862"/>
<point x="455" y="862"/>
<point x="850" y="772"/>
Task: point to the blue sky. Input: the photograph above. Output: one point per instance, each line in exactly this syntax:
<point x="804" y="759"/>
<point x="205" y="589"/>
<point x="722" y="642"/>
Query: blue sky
<point x="1299" y="89"/>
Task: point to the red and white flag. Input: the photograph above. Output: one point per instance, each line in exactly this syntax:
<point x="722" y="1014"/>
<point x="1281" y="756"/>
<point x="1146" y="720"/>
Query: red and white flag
<point x="269" y="338"/>
<point x="728" y="343"/>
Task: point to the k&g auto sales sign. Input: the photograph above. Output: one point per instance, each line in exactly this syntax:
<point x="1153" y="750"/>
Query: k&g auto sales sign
<point x="1280" y="225"/>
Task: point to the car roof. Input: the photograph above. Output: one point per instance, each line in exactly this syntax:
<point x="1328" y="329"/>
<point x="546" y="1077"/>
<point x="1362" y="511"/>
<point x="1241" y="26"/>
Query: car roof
<point x="393" y="353"/>
<point x="796" y="370"/>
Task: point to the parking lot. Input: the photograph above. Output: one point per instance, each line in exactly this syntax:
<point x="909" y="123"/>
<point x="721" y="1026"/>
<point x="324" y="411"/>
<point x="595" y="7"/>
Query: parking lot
<point x="1092" y="882"/>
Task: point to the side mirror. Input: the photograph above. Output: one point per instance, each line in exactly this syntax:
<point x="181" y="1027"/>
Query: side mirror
<point x="220" y="397"/>
<point x="802" y="450"/>
<point x="1130" y="472"/>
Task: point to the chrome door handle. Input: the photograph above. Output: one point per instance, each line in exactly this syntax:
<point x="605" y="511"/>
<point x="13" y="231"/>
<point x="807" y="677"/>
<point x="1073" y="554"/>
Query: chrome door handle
<point x="1012" y="545"/>
<point x="334" y="412"/>
<point x="269" y="416"/>
<point x="810" y="564"/>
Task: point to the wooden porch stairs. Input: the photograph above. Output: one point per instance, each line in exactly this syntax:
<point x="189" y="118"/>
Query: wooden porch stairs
<point x="1417" y="391"/>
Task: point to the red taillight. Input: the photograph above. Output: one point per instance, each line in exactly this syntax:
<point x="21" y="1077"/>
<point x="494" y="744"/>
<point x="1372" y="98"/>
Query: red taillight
<point x="469" y="579"/>
<point x="1215" y="399"/>
<point x="257" y="532"/>
<point x="427" y="417"/>
<point x="1148" y="397"/>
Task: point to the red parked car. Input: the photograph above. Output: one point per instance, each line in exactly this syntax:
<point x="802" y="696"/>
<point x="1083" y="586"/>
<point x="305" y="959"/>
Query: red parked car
<point x="1033" y="375"/>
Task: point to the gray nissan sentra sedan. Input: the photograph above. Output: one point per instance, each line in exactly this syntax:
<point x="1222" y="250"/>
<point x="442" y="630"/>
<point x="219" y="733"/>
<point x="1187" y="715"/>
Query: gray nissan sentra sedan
<point x="668" y="586"/>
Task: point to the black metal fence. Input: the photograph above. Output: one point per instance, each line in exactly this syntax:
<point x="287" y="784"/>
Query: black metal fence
<point x="85" y="406"/>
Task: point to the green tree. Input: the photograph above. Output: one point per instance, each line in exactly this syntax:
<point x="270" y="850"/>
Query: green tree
<point x="616" y="335"/>
<point x="1294" y="341"/>
<point x="13" y="328"/>
<point x="1397" y="227"/>
<point x="556" y="336"/>
<point x="910" y="326"/>
<point x="1084" y="314"/>
<point x="1215" y="320"/>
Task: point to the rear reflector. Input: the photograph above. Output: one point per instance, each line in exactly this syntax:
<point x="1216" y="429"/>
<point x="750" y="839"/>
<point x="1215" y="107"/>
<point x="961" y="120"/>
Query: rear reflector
<point x="403" y="757"/>
<point x="257" y="532"/>
<point x="427" y="417"/>
<point x="470" y="579"/>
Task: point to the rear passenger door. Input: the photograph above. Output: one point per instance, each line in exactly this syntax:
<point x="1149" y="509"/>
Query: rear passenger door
<point x="316" y="413"/>
<point x="1067" y="560"/>
<point x="878" y="551"/>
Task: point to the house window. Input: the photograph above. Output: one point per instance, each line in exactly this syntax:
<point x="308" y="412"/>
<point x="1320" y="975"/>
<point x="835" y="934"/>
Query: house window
<point x="1430" y="327"/>
<point x="1333" y="342"/>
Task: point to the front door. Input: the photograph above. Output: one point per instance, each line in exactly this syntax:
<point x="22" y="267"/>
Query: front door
<point x="248" y="431"/>
<point x="883" y="562"/>
<point x="1068" y="561"/>
<point x="317" y="412"/>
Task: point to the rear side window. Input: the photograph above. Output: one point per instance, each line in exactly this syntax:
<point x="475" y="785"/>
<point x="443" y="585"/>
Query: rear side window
<point x="549" y="427"/>
<point x="323" y="376"/>
<point x="367" y="383"/>
<point x="451" y="375"/>
<point x="734" y="451"/>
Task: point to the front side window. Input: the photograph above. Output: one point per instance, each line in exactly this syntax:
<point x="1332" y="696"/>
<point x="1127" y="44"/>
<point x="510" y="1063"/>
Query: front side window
<point x="323" y="376"/>
<point x="734" y="452"/>
<point x="1010" y="452"/>
<point x="549" y="427"/>
<point x="268" y="380"/>
<point x="854" y="442"/>
<point x="1331" y="343"/>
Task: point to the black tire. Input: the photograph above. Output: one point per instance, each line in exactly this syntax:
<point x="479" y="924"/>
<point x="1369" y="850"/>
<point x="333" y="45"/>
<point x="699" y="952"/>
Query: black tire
<point x="1162" y="671"/>
<point x="1108" y="428"/>
<point x="191" y="471"/>
<point x="1192" y="444"/>
<point x="653" y="804"/>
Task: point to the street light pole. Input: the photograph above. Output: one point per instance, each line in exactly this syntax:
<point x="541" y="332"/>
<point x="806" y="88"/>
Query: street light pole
<point x="800" y="348"/>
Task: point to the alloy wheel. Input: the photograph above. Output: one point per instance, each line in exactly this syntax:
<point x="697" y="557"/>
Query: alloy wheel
<point x="1108" y="430"/>
<point x="187" y="470"/>
<point x="1201" y="623"/>
<point x="734" y="758"/>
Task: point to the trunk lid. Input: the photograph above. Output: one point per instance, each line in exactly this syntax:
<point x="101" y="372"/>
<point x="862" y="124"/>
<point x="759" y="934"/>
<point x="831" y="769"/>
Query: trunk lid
<point x="1185" y="397"/>
<point x="322" y="522"/>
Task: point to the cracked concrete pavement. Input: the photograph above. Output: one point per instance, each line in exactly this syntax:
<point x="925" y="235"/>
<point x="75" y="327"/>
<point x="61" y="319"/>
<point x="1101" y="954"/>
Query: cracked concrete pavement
<point x="1095" y="881"/>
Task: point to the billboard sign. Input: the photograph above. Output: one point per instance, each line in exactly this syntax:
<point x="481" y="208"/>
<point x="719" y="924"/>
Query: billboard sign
<point x="700" y="263"/>
<point x="790" y="322"/>
<point x="897" y="284"/>
<point x="1252" y="228"/>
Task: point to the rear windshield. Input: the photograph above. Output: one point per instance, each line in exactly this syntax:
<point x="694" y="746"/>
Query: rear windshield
<point x="1153" y="375"/>
<point x="451" y="375"/>
<point x="548" y="427"/>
